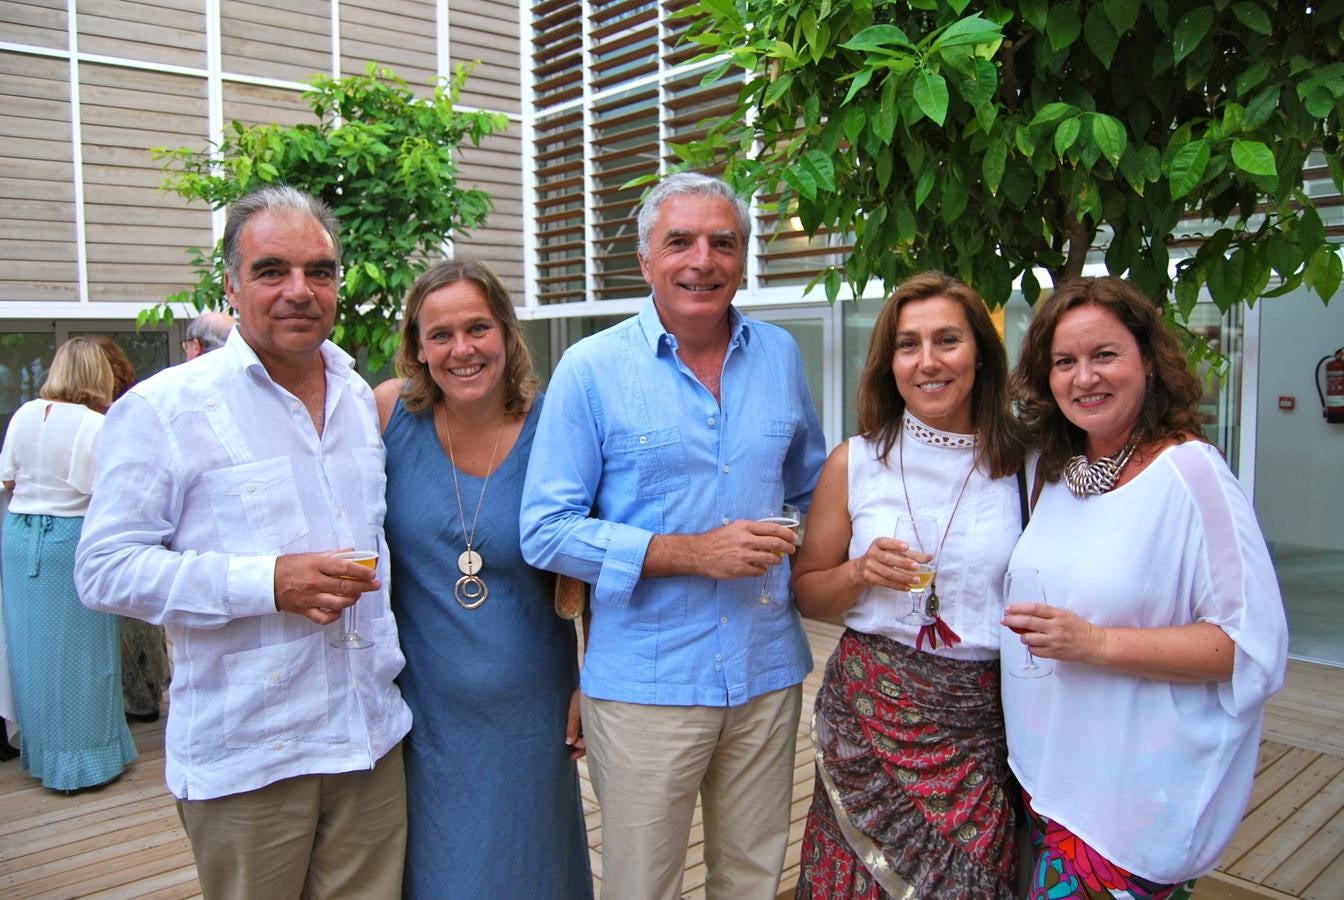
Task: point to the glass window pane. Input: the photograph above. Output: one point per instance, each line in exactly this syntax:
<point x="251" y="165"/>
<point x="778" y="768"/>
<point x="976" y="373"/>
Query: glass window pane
<point x="811" y="337"/>
<point x="24" y="360"/>
<point x="858" y="329"/>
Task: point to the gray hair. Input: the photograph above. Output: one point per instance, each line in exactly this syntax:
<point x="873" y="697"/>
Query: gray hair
<point x="693" y="184"/>
<point x="273" y="198"/>
<point x="211" y="329"/>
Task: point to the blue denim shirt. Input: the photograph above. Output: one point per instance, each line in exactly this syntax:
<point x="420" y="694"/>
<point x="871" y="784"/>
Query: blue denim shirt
<point x="630" y="444"/>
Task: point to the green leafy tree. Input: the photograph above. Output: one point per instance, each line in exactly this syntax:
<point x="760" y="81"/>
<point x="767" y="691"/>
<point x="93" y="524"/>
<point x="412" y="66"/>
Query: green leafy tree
<point x="1028" y="132"/>
<point x="381" y="158"/>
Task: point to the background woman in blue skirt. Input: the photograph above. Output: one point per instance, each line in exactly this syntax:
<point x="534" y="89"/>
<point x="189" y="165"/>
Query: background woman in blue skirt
<point x="64" y="659"/>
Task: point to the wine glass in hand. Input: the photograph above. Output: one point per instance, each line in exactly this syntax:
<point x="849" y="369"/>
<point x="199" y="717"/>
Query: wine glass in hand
<point x="1024" y="586"/>
<point x="351" y="639"/>
<point x="920" y="533"/>
<point x="790" y="517"/>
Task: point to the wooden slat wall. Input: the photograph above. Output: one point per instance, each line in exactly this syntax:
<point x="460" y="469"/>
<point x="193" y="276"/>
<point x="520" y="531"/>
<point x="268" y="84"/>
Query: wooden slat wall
<point x="137" y="234"/>
<point x="37" y="195"/>
<point x="398" y="34"/>
<point x="496" y="167"/>
<point x="486" y="31"/>
<point x="256" y="105"/>
<point x="164" y="31"/>
<point x="290" y="42"/>
<point x="41" y="23"/>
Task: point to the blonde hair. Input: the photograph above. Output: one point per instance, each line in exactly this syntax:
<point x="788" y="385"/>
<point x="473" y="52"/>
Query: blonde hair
<point x="80" y="373"/>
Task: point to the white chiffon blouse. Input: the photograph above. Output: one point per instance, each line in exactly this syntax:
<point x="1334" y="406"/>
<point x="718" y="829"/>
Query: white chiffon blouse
<point x="1154" y="774"/>
<point x="51" y="457"/>
<point x="970" y="566"/>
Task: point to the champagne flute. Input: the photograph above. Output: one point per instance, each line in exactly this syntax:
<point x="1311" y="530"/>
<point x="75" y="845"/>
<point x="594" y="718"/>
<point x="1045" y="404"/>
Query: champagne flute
<point x="920" y="532"/>
<point x="1024" y="586"/>
<point x="790" y="517"/>
<point x="351" y="639"/>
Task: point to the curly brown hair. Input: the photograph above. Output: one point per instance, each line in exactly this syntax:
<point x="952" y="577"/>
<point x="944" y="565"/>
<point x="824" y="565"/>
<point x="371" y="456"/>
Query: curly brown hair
<point x="880" y="404"/>
<point x="1170" y="408"/>
<point x="123" y="371"/>
<point x="420" y="393"/>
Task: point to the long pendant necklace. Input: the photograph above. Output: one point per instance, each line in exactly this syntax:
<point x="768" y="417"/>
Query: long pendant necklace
<point x="939" y="628"/>
<point x="470" y="590"/>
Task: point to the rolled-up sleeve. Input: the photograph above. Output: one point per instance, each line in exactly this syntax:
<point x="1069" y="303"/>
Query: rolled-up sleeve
<point x="556" y="523"/>
<point x="125" y="564"/>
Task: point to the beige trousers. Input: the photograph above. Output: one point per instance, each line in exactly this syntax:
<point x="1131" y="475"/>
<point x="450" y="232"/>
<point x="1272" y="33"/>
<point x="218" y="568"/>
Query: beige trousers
<point x="314" y="836"/>
<point x="649" y="762"/>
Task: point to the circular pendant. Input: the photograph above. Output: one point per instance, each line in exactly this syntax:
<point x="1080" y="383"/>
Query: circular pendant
<point x="469" y="563"/>
<point x="470" y="591"/>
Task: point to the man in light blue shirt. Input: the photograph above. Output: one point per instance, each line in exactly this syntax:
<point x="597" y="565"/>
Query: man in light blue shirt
<point x="664" y="440"/>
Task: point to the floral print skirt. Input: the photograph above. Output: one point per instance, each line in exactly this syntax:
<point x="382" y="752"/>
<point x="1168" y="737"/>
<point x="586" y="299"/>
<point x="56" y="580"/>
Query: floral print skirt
<point x="1064" y="866"/>
<point x="914" y="797"/>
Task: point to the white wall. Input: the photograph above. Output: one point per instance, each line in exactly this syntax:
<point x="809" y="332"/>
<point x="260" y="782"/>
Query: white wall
<point x="1299" y="468"/>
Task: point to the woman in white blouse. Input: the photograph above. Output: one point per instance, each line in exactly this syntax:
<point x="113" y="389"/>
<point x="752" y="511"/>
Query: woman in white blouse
<point x="64" y="659"/>
<point x="913" y="795"/>
<point x="1162" y="614"/>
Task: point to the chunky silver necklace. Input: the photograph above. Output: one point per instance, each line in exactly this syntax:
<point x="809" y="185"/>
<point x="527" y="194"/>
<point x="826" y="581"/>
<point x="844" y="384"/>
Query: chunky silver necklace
<point x="470" y="590"/>
<point x="1085" y="478"/>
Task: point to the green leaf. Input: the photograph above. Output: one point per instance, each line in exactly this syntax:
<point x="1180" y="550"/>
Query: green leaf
<point x="1100" y="35"/>
<point x="1261" y="107"/>
<point x="1253" y="75"/>
<point x="1052" y="112"/>
<point x="992" y="166"/>
<point x="852" y="123"/>
<point x="1062" y="26"/>
<point x="1324" y="271"/>
<point x="1110" y="136"/>
<point x="1253" y="17"/>
<point x="924" y="186"/>
<point x="968" y="32"/>
<point x="778" y="88"/>
<point x="1187" y="168"/>
<point x="1187" y="296"/>
<point x="1223" y="276"/>
<point x="824" y="168"/>
<point x="887" y="111"/>
<point x="1190" y="31"/>
<point x="1066" y="135"/>
<point x="1310" y="230"/>
<point x="859" y="83"/>
<point x="1284" y="254"/>
<point x="1253" y="158"/>
<point x="878" y="37"/>
<point x="931" y="94"/>
<point x="977" y="85"/>
<point x="1035" y="12"/>
<point x="1122" y="13"/>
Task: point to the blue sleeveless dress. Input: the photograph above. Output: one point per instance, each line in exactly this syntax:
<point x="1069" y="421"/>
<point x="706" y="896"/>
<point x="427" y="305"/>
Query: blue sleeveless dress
<point x="492" y="797"/>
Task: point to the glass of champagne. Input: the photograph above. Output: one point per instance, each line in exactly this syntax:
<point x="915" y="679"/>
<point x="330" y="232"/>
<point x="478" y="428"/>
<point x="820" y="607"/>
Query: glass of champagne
<point x="920" y="532"/>
<point x="1024" y="586"/>
<point x="351" y="639"/>
<point x="790" y="517"/>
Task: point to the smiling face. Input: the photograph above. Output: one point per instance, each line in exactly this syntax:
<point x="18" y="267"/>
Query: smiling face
<point x="934" y="363"/>
<point x="462" y="344"/>
<point x="1098" y="376"/>
<point x="694" y="263"/>
<point x="286" y="290"/>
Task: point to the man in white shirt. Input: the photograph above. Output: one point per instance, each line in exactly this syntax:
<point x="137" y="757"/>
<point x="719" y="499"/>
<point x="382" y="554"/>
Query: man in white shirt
<point x="222" y="489"/>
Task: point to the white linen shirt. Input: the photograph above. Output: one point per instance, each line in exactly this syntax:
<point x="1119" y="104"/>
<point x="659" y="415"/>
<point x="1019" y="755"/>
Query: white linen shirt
<point x="1154" y="774"/>
<point x="50" y="456"/>
<point x="206" y="473"/>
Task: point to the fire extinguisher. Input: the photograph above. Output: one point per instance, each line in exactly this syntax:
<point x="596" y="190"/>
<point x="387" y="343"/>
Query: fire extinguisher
<point x="1332" y="400"/>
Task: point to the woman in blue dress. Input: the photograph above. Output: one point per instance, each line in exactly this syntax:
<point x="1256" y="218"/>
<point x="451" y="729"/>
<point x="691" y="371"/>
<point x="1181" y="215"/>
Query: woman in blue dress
<point x="491" y="673"/>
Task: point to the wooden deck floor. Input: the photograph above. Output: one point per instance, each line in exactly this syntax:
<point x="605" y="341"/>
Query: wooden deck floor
<point x="125" y="840"/>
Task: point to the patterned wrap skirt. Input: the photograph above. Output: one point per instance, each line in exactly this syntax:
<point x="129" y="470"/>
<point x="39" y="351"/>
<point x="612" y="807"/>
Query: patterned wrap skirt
<point x="913" y="797"/>
<point x="1063" y="865"/>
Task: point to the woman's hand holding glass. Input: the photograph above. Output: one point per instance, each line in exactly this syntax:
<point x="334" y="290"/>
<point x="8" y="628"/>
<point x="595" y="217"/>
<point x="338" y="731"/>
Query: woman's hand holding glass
<point x="1052" y="632"/>
<point x="918" y="531"/>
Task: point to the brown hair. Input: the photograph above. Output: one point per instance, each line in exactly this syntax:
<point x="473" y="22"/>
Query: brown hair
<point x="998" y="446"/>
<point x="420" y="393"/>
<point x="1170" y="406"/>
<point x="79" y="373"/>
<point x="123" y="372"/>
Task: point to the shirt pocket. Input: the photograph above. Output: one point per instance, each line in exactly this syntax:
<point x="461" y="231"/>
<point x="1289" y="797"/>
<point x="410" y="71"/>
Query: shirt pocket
<point x="372" y="481"/>
<point x="278" y="694"/>
<point x="659" y="460"/>
<point x="256" y="506"/>
<point x="776" y="439"/>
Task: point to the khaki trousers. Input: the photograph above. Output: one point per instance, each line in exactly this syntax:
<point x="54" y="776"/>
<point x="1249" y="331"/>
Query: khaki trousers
<point x="314" y="836"/>
<point x="648" y="763"/>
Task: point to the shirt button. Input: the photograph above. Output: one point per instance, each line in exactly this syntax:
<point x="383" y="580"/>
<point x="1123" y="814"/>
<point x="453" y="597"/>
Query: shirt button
<point x="210" y="403"/>
<point x="718" y="668"/>
<point x="725" y="468"/>
<point x="340" y="513"/>
<point x="643" y="439"/>
<point x="275" y="677"/>
<point x="276" y="745"/>
<point x="725" y="520"/>
<point x="719" y="657"/>
<point x="251" y="488"/>
<point x="723" y="620"/>
<point x="711" y="421"/>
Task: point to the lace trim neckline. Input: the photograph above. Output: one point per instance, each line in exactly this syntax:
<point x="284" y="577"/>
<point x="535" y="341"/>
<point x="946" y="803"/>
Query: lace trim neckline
<point x="926" y="434"/>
